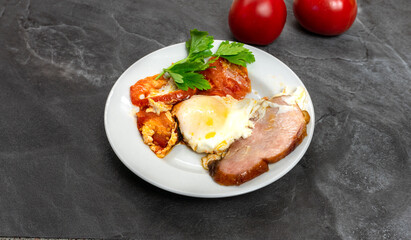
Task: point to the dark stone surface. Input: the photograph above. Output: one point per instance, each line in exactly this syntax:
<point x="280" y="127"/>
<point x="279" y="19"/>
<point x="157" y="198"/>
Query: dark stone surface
<point x="59" y="176"/>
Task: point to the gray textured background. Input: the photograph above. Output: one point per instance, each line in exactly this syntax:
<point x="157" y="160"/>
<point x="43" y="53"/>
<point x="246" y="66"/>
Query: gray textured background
<point x="60" y="178"/>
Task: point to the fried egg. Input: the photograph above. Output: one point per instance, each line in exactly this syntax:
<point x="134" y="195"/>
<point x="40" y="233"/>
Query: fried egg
<point x="209" y="124"/>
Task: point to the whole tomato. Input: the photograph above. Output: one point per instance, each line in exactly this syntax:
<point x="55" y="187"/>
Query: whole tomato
<point x="257" y="21"/>
<point x="325" y="17"/>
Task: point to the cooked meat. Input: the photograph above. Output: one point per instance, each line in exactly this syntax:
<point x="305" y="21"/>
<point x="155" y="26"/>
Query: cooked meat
<point x="227" y="79"/>
<point x="275" y="135"/>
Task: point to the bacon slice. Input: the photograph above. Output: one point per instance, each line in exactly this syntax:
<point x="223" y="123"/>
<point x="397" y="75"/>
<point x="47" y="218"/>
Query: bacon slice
<point x="227" y="79"/>
<point x="274" y="136"/>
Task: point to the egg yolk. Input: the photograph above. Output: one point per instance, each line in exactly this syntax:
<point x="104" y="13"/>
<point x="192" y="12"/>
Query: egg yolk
<point x="203" y="116"/>
<point x="210" y="135"/>
<point x="207" y="113"/>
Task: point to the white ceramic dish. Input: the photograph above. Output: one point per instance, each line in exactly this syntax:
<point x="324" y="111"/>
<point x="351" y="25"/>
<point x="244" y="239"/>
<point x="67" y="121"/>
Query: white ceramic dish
<point x="180" y="171"/>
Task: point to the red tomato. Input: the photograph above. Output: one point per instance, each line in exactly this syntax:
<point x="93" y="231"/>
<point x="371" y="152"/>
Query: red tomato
<point x="326" y="17"/>
<point x="257" y="21"/>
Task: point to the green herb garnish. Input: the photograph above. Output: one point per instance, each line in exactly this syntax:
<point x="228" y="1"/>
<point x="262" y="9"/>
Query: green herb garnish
<point x="235" y="53"/>
<point x="185" y="72"/>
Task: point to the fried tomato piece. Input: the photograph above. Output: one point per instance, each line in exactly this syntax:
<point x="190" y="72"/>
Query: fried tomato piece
<point x="150" y="88"/>
<point x="159" y="130"/>
<point x="227" y="79"/>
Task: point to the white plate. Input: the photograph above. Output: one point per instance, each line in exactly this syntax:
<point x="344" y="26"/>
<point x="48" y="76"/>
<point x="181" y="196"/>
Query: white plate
<point x="180" y="171"/>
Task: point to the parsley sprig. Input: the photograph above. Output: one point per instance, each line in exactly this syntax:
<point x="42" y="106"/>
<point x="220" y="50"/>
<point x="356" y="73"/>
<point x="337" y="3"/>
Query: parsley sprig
<point x="235" y="53"/>
<point x="185" y="72"/>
